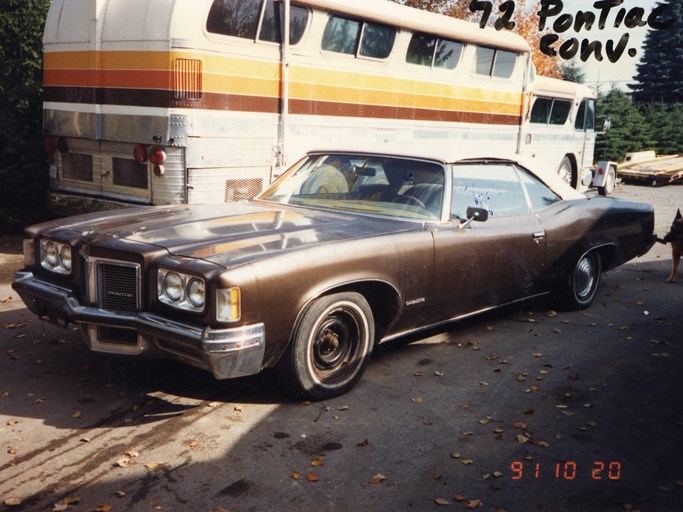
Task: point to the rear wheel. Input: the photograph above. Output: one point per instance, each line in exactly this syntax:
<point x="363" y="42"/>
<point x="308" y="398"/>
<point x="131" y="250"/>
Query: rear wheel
<point x="330" y="347"/>
<point x="583" y="281"/>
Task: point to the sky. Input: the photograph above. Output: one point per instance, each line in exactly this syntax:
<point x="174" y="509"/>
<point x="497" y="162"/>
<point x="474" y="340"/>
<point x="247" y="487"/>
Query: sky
<point x="606" y="73"/>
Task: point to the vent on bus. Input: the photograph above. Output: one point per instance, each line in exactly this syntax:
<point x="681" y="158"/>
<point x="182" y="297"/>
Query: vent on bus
<point x="187" y="79"/>
<point x="129" y="173"/>
<point x="237" y="190"/>
<point x="76" y="166"/>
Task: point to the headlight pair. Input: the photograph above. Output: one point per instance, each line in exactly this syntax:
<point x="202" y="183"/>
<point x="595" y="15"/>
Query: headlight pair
<point x="55" y="256"/>
<point x="181" y="290"/>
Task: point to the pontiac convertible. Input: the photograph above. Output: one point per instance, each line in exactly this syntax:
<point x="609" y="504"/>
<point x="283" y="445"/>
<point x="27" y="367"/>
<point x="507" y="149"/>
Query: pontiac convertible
<point x="346" y="250"/>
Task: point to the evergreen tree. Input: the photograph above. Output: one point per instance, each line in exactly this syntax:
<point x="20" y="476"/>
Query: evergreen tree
<point x="667" y="127"/>
<point x="659" y="76"/>
<point x="23" y="169"/>
<point x="626" y="129"/>
<point x="572" y="72"/>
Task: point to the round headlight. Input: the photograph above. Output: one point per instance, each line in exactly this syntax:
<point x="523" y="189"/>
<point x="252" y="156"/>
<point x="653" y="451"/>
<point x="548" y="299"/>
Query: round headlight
<point x="196" y="292"/>
<point x="173" y="286"/>
<point x="51" y="256"/>
<point x="65" y="257"/>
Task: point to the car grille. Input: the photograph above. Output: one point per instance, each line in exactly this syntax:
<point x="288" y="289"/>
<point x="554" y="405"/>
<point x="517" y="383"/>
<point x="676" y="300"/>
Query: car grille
<point x="119" y="286"/>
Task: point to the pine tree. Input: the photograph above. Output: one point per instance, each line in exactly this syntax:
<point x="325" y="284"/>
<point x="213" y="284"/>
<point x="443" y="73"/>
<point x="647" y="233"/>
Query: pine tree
<point x="659" y="76"/>
<point x="628" y="130"/>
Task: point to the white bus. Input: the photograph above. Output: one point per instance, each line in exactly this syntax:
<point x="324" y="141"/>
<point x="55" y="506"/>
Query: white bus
<point x="196" y="101"/>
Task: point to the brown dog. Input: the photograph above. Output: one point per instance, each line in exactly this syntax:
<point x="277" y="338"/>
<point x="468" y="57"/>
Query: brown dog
<point x="675" y="238"/>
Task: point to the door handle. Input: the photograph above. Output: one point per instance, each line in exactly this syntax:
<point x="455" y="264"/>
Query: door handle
<point x="538" y="236"/>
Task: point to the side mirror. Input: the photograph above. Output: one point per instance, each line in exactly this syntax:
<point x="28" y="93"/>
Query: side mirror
<point x="473" y="213"/>
<point x="478" y="214"/>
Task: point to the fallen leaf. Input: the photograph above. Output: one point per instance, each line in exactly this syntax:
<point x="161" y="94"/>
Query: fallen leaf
<point x="318" y="461"/>
<point x="312" y="477"/>
<point x="467" y="462"/>
<point x="104" y="508"/>
<point x="472" y="504"/>
<point x="377" y="479"/>
<point x="455" y="455"/>
<point x="343" y="408"/>
<point x="296" y="475"/>
<point x="13" y="502"/>
<point x="153" y="466"/>
<point x="442" y="502"/>
<point x="123" y="463"/>
<point x="363" y="443"/>
<point x="131" y="453"/>
<point x="522" y="438"/>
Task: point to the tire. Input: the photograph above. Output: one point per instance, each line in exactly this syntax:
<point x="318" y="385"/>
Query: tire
<point x="330" y="347"/>
<point x="610" y="181"/>
<point x="566" y="172"/>
<point x="583" y="282"/>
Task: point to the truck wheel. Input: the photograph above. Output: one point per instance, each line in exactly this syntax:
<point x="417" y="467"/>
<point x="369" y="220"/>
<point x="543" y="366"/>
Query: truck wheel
<point x="583" y="282"/>
<point x="330" y="347"/>
<point x="610" y="181"/>
<point x="566" y="172"/>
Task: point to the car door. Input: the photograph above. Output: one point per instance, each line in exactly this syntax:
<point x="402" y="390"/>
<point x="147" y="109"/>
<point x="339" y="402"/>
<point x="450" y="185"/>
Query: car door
<point x="493" y="262"/>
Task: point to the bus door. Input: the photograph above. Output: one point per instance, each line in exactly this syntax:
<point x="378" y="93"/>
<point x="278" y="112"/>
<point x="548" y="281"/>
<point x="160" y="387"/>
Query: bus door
<point x="585" y="122"/>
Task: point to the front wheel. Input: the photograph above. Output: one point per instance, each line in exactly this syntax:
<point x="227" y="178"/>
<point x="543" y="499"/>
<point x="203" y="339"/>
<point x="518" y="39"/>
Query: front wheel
<point x="330" y="347"/>
<point x="583" y="282"/>
<point x="566" y="172"/>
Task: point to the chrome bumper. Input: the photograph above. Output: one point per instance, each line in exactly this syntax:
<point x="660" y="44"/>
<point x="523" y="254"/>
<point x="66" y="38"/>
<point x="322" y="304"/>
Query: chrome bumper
<point x="227" y="353"/>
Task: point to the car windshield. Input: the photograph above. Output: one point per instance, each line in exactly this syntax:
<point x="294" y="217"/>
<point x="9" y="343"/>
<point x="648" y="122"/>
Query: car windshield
<point x="375" y="185"/>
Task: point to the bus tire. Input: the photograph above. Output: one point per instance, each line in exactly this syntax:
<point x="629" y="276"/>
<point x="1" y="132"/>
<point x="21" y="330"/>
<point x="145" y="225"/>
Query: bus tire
<point x="567" y="173"/>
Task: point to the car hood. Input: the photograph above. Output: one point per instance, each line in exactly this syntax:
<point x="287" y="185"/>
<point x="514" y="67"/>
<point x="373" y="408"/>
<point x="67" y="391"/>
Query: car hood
<point x="233" y="234"/>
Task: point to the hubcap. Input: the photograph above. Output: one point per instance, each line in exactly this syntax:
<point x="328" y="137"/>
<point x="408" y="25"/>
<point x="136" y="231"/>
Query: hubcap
<point x="584" y="277"/>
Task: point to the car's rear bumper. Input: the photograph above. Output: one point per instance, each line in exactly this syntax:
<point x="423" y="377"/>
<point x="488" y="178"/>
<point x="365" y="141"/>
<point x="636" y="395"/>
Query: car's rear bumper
<point x="227" y="353"/>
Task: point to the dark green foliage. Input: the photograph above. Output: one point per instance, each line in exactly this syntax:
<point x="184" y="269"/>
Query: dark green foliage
<point x="572" y="72"/>
<point x="659" y="77"/>
<point x="627" y="129"/>
<point x="23" y="170"/>
<point x="666" y="122"/>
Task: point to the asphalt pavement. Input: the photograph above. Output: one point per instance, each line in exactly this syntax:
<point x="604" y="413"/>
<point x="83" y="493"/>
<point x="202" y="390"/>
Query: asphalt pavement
<point x="521" y="410"/>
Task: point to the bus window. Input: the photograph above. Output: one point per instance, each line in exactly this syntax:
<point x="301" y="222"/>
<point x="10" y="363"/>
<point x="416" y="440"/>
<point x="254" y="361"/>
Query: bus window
<point x="421" y="49"/>
<point x="428" y="50"/>
<point x="240" y="19"/>
<point x="447" y="54"/>
<point x="273" y="21"/>
<point x="484" y="60"/>
<point x="496" y="63"/>
<point x="377" y="40"/>
<point x="550" y="111"/>
<point x="342" y="35"/>
<point x="585" y="116"/>
<point x="504" y="64"/>
<point x="560" y="111"/>
<point x="541" y="110"/>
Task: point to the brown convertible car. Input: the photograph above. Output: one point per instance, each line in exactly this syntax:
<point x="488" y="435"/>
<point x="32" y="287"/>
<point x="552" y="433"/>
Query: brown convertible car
<point x="344" y="251"/>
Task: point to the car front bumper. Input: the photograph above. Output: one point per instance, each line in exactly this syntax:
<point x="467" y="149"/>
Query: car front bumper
<point x="227" y="353"/>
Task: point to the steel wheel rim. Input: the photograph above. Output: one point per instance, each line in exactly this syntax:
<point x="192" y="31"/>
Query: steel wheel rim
<point x="336" y="345"/>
